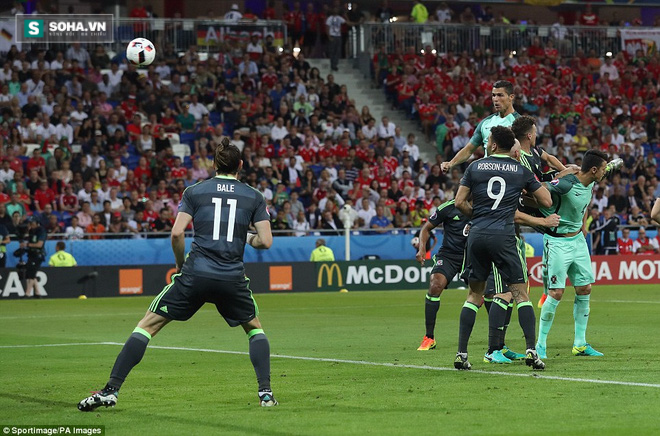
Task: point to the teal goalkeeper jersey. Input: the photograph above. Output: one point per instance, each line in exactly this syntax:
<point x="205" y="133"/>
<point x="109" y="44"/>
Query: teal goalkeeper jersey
<point x="482" y="131"/>
<point x="570" y="199"/>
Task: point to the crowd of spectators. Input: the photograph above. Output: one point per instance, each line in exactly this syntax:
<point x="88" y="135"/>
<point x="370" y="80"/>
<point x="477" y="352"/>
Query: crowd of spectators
<point x="582" y="102"/>
<point x="97" y="149"/>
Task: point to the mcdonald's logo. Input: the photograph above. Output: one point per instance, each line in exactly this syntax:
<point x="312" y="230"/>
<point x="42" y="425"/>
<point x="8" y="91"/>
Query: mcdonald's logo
<point x="329" y="270"/>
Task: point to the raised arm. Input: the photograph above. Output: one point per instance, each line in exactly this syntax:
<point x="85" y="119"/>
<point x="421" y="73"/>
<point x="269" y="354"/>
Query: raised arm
<point x="460" y="157"/>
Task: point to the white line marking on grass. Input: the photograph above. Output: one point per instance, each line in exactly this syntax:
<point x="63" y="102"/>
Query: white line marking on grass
<point x="627" y="301"/>
<point x="74" y="315"/>
<point x="363" y="362"/>
<point x="60" y="345"/>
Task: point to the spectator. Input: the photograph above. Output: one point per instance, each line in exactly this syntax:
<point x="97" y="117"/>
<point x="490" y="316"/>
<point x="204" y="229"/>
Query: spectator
<point x="379" y="223"/>
<point x="95" y="230"/>
<point x="74" y="231"/>
<point x="233" y="15"/>
<point x="419" y="13"/>
<point x="645" y="245"/>
<point x="300" y="225"/>
<point x="334" y="23"/>
<point x="330" y="221"/>
<point x="624" y="243"/>
<point x="386" y="129"/>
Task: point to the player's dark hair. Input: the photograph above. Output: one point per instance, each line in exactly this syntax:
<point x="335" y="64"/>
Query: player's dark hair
<point x="592" y="158"/>
<point x="522" y="126"/>
<point x="503" y="137"/>
<point x="508" y="86"/>
<point x="227" y="157"/>
<point x="60" y="245"/>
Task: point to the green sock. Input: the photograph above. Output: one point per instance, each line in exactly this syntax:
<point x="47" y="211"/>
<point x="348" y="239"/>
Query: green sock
<point x="547" y="316"/>
<point x="581" y="315"/>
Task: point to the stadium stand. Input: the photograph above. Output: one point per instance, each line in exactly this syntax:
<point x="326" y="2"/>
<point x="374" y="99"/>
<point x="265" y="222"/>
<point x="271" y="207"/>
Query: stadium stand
<point x="89" y="121"/>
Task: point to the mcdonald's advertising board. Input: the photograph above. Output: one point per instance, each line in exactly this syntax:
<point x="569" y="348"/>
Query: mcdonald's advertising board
<point x="375" y="275"/>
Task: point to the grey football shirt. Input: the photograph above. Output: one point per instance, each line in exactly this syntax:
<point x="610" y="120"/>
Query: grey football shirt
<point x="222" y="209"/>
<point x="453" y="222"/>
<point x="496" y="183"/>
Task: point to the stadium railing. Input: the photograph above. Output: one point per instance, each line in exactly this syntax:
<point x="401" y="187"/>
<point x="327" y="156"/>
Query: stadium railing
<point x="494" y="40"/>
<point x="208" y="35"/>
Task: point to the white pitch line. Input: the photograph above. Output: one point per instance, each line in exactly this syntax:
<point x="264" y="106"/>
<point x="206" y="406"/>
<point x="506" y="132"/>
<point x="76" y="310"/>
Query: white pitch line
<point x="627" y="301"/>
<point x="60" y="345"/>
<point x="76" y="315"/>
<point x="535" y="375"/>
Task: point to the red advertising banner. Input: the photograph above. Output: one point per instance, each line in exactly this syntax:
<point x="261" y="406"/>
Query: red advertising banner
<point x="610" y="270"/>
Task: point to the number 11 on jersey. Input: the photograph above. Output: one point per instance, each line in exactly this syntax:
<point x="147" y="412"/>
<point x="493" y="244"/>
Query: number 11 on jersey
<point x="217" y="218"/>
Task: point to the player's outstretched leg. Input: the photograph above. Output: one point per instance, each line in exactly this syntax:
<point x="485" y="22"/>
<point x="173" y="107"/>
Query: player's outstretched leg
<point x="581" y="315"/>
<point x="431" y="306"/>
<point x="260" y="358"/>
<point x="130" y="355"/>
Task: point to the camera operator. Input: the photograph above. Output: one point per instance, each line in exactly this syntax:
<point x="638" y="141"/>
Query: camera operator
<point x="34" y="245"/>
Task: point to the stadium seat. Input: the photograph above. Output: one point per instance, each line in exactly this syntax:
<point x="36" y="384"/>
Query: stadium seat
<point x="124" y="33"/>
<point x="187" y="138"/>
<point x="174" y="138"/>
<point x="181" y="150"/>
<point x="30" y="148"/>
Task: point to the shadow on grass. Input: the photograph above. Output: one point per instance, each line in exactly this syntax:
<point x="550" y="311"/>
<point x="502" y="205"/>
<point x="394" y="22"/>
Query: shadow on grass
<point x="217" y="426"/>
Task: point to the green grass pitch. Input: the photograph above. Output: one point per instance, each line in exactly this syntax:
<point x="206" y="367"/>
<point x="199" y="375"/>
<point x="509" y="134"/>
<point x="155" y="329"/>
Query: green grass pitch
<point x="193" y="391"/>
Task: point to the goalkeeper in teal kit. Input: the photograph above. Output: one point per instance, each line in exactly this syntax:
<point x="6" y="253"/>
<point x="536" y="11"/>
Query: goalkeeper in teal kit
<point x="565" y="251"/>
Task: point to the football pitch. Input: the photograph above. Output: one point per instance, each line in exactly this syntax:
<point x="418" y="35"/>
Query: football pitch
<point x="342" y="364"/>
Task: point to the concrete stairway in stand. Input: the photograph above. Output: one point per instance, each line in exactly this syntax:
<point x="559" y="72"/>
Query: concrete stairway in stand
<point x="361" y="91"/>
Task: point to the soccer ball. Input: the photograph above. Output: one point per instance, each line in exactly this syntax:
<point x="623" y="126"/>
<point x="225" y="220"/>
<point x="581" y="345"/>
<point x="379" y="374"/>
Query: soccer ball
<point x="415" y="242"/>
<point x="140" y="52"/>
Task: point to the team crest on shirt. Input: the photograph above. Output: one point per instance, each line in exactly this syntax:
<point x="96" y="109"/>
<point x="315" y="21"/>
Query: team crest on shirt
<point x="554" y="182"/>
<point x="553" y="280"/>
<point x="434" y="216"/>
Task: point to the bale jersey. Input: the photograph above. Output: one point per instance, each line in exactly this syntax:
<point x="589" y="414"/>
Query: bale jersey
<point x="570" y="199"/>
<point x="222" y="209"/>
<point x="496" y="183"/>
<point x="453" y="223"/>
<point x="482" y="131"/>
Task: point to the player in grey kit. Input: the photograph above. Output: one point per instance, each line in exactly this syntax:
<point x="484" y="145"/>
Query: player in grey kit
<point x="221" y="210"/>
<point x="495" y="184"/>
<point x="446" y="263"/>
